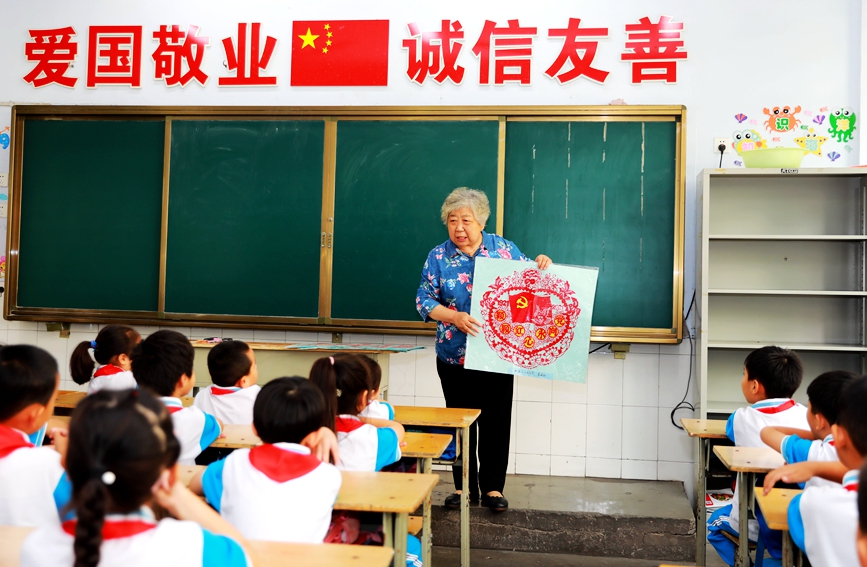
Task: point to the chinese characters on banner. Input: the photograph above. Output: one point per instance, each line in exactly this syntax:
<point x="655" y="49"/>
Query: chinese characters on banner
<point x="533" y="323"/>
<point x="349" y="53"/>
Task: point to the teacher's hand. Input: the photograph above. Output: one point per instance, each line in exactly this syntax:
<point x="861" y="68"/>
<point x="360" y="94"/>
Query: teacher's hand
<point x="465" y="323"/>
<point x="543" y="261"/>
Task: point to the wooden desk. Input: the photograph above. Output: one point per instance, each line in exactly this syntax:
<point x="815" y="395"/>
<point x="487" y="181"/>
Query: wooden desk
<point x="460" y="420"/>
<point x="264" y="553"/>
<point x="69" y="400"/>
<point x="703" y="430"/>
<point x="237" y="437"/>
<point x="747" y="462"/>
<point x="775" y="508"/>
<point x="396" y="495"/>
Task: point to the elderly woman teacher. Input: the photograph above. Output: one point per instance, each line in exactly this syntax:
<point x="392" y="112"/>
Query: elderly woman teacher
<point x="444" y="296"/>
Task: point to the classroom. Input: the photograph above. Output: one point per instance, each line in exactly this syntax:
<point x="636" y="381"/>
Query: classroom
<point x="232" y="172"/>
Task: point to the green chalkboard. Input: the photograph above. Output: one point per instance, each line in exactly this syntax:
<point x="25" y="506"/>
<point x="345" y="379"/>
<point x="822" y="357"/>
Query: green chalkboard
<point x="391" y="180"/>
<point x="599" y="194"/>
<point x="91" y="194"/>
<point x="245" y="201"/>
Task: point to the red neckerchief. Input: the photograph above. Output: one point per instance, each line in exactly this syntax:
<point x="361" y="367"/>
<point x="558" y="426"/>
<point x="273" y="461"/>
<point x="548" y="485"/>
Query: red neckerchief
<point x="11" y="440"/>
<point x="777" y="409"/>
<point x="114" y="530"/>
<point x="217" y="391"/>
<point x="347" y="424"/>
<point x="107" y="370"/>
<point x="281" y="465"/>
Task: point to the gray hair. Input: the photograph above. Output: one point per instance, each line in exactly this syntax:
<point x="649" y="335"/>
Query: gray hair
<point x="464" y="197"/>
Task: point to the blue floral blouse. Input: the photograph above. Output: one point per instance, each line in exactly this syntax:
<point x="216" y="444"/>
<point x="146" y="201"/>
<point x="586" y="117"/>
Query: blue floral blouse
<point x="447" y="280"/>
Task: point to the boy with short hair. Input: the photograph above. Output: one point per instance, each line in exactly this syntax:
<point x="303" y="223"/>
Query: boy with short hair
<point x="817" y="444"/>
<point x="232" y="365"/>
<point x="823" y="519"/>
<point x="278" y="491"/>
<point x="771" y="377"/>
<point x="376" y="408"/>
<point x="163" y="363"/>
<point x="33" y="486"/>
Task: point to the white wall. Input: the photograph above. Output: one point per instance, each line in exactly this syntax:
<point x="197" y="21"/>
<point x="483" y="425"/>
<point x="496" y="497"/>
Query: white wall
<point x="743" y="56"/>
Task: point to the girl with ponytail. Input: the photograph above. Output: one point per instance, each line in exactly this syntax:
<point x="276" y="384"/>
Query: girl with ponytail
<point x="121" y="458"/>
<point x="365" y="444"/>
<point x="111" y="349"/>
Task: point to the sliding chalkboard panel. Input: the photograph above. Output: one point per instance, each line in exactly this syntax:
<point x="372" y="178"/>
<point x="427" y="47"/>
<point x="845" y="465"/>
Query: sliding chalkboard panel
<point x="245" y="200"/>
<point x="392" y="177"/>
<point x="599" y="194"/>
<point x="90" y="214"/>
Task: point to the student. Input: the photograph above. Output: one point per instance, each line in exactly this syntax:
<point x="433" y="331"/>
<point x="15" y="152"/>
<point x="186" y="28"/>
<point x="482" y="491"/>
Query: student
<point x="824" y="519"/>
<point x="278" y="491"/>
<point x="375" y="408"/>
<point x="32" y="484"/>
<point x="862" y="516"/>
<point x="121" y="458"/>
<point x="817" y="444"/>
<point x="366" y="444"/>
<point x="771" y="377"/>
<point x="233" y="370"/>
<point x="163" y="363"/>
<point x="111" y="349"/>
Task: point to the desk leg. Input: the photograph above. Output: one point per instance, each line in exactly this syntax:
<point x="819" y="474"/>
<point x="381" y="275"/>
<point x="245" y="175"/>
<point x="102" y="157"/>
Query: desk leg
<point x="465" y="497"/>
<point x="701" y="509"/>
<point x="401" y="533"/>
<point x="388" y="530"/>
<point x="744" y="493"/>
<point x="787" y="550"/>
<point x="426" y="468"/>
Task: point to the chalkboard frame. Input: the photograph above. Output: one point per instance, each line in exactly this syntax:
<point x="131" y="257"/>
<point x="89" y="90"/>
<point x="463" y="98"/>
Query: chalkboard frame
<point x="331" y="116"/>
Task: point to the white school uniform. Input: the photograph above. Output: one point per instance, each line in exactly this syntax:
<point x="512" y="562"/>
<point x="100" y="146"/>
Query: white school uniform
<point x="364" y="447"/>
<point x="797" y="450"/>
<point x="33" y="485"/>
<point x="823" y="522"/>
<point x="277" y="492"/>
<point x="232" y="405"/>
<point x="195" y="429"/>
<point x="378" y="409"/>
<point x="744" y="428"/>
<point x="137" y="540"/>
<point x="111" y="377"/>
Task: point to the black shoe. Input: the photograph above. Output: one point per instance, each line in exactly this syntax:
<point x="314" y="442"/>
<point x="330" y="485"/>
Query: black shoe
<point x="453" y="501"/>
<point x="495" y="503"/>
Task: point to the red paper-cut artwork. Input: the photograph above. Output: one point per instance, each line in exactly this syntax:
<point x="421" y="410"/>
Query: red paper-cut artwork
<point x="529" y="317"/>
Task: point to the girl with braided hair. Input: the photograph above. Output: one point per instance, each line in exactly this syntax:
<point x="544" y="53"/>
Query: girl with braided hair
<point x="121" y="459"/>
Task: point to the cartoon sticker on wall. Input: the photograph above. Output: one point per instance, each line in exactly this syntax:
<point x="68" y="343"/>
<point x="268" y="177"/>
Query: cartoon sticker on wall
<point x="747" y="140"/>
<point x="812" y="142"/>
<point x="842" y="124"/>
<point x="782" y="119"/>
<point x="4" y="138"/>
<point x="2" y="267"/>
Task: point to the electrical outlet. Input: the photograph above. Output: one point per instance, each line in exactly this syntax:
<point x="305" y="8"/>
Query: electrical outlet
<point x="4" y="180"/>
<point x="3" y="209"/>
<point x="727" y="142"/>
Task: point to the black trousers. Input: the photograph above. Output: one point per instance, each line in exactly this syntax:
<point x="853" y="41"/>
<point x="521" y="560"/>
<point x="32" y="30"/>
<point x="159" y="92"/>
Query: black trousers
<point x="491" y="393"/>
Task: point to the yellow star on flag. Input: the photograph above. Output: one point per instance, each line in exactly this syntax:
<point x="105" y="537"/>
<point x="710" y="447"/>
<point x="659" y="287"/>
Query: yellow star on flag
<point x="324" y="50"/>
<point x="328" y="34"/>
<point x="328" y="42"/>
<point x="328" y="26"/>
<point x="308" y="39"/>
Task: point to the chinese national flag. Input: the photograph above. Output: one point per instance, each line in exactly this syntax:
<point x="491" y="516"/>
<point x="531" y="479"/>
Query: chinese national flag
<point x="521" y="305"/>
<point x="331" y="53"/>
